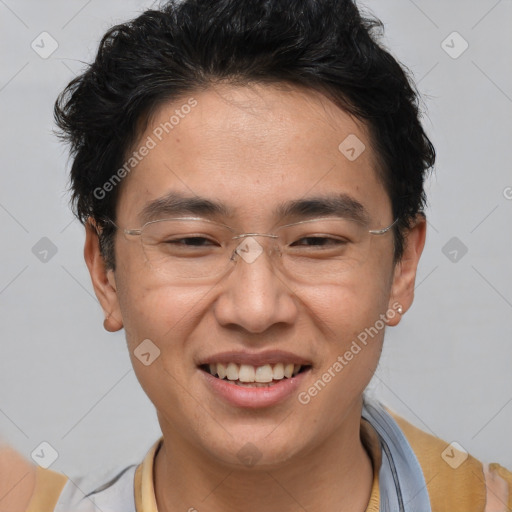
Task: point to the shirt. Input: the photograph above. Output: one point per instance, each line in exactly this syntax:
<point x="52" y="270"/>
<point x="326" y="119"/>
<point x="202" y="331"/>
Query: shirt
<point x="412" y="472"/>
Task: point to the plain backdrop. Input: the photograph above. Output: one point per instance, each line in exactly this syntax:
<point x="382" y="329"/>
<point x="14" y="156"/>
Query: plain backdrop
<point x="447" y="367"/>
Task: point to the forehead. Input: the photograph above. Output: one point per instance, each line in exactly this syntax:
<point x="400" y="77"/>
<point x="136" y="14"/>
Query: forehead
<point x="251" y="148"/>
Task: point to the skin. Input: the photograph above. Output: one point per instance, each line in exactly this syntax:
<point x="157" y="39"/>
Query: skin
<point x="252" y="147"/>
<point x="17" y="479"/>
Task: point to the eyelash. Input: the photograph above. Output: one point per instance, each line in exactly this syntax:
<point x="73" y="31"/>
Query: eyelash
<point x="334" y="241"/>
<point x="327" y="238"/>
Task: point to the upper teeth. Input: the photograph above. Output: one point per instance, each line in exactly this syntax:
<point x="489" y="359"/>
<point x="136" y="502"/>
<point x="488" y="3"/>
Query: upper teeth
<point x="249" y="373"/>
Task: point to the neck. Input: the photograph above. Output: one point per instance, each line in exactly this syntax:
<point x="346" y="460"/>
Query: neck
<point x="336" y="475"/>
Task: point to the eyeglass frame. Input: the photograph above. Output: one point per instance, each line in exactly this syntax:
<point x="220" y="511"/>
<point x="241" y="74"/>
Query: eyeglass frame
<point x="138" y="231"/>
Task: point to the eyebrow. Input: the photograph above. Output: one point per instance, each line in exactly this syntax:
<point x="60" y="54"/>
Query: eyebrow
<point x="336" y="205"/>
<point x="332" y="205"/>
<point x="176" y="204"/>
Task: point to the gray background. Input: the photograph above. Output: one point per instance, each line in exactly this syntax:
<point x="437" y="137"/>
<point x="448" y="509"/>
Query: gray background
<point x="446" y="367"/>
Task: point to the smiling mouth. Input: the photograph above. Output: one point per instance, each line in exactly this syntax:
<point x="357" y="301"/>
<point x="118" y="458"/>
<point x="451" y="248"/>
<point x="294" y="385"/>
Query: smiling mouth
<point x="247" y="375"/>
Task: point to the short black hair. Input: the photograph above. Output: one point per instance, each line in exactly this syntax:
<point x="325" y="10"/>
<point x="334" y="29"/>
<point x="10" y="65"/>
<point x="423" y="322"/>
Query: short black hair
<point x="327" y="46"/>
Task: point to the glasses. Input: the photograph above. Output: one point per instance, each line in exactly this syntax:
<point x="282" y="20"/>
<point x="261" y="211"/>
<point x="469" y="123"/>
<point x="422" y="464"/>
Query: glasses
<point x="191" y="249"/>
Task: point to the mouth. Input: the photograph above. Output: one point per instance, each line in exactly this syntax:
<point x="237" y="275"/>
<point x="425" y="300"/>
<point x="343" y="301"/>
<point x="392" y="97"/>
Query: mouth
<point x="252" y="380"/>
<point x="247" y="375"/>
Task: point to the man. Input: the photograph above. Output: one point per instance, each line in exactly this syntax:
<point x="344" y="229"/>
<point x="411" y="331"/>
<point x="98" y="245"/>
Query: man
<point x="250" y="176"/>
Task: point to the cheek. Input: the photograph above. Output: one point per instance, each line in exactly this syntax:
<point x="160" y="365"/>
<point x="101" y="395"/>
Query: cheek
<point x="350" y="334"/>
<point x="347" y="307"/>
<point x="152" y="310"/>
<point x="166" y="317"/>
<point x="349" y="321"/>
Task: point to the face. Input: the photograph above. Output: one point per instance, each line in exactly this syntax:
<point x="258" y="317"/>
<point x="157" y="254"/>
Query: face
<point x="252" y="149"/>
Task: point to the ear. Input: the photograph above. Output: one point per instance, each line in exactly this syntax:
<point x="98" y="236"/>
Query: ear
<point x="404" y="277"/>
<point x="103" y="280"/>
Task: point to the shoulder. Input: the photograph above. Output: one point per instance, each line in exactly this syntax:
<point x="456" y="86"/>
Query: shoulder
<point x="17" y="479"/>
<point x="112" y="489"/>
<point x="44" y="490"/>
<point x="455" y="479"/>
<point x="109" y="490"/>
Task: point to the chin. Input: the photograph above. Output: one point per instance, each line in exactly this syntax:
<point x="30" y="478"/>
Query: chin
<point x="253" y="448"/>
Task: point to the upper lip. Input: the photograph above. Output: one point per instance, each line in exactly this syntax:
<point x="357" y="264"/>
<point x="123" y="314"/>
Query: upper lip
<point x="255" y="359"/>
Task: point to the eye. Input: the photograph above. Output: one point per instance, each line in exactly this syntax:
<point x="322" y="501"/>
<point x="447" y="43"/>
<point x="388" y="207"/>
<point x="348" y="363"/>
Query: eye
<point x="190" y="241"/>
<point x="319" y="241"/>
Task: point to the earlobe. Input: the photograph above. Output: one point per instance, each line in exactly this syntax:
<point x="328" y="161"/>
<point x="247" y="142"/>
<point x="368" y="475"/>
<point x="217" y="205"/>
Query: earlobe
<point x="394" y="314"/>
<point x="404" y="278"/>
<point x="111" y="323"/>
<point x="103" y="280"/>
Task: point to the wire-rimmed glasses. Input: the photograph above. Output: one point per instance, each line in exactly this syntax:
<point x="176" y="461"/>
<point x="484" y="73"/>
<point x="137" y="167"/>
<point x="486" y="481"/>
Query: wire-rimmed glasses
<point x="194" y="249"/>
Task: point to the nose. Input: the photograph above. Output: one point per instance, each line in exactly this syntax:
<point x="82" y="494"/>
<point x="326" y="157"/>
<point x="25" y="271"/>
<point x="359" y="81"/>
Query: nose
<point x="255" y="295"/>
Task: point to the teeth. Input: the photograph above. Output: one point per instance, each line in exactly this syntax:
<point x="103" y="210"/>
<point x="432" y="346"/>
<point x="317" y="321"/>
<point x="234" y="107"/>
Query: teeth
<point x="253" y="384"/>
<point x="278" y="371"/>
<point x="232" y="371"/>
<point x="264" y="374"/>
<point x="221" y="370"/>
<point x="247" y="373"/>
<point x="288" y="370"/>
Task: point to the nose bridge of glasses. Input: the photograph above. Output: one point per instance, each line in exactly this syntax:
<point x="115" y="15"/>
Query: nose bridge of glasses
<point x="245" y="235"/>
<point x="247" y="247"/>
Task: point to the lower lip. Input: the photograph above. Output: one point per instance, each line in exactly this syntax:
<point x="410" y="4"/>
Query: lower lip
<point x="249" y="397"/>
